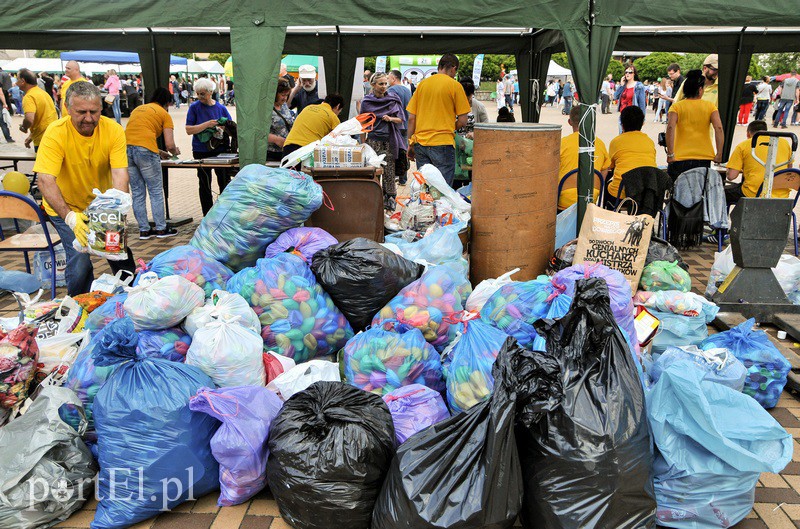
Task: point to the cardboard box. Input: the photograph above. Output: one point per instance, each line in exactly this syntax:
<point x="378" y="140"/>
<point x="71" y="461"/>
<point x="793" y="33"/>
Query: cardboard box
<point x="336" y="156"/>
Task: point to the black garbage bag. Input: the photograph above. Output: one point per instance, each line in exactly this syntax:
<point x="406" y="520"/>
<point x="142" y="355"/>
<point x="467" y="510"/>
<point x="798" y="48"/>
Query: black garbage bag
<point x="329" y="451"/>
<point x="587" y="463"/>
<point x="562" y="258"/>
<point x="661" y="250"/>
<point x="361" y="276"/>
<point x="464" y="472"/>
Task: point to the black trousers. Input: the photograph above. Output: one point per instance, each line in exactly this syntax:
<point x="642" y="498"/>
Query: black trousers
<point x="204" y="176"/>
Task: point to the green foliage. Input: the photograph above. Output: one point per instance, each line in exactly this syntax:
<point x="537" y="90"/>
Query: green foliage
<point x="560" y="59"/>
<point x="219" y="57"/>
<point x="653" y="66"/>
<point x="692" y="61"/>
<point x="48" y="54"/>
<point x="779" y="63"/>
<point x="755" y="68"/>
<point x="369" y="64"/>
<point x="615" y="69"/>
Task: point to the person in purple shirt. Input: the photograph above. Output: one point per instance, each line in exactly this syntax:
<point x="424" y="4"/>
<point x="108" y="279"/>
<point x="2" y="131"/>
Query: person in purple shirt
<point x="403" y="92"/>
<point x="203" y="114"/>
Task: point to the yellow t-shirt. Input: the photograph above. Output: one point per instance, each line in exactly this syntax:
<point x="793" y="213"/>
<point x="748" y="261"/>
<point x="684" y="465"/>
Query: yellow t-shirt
<point x="753" y="172"/>
<point x="64" y="87"/>
<point x="569" y="162"/>
<point x="710" y="94"/>
<point x="312" y="124"/>
<point x="628" y="151"/>
<point x="692" y="141"/>
<point x="36" y="100"/>
<point x="81" y="163"/>
<point x="436" y="103"/>
<point x="147" y="122"/>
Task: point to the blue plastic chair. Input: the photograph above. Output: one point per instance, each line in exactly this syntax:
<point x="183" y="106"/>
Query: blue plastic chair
<point x="599" y="184"/>
<point x="16" y="206"/>
<point x="787" y="179"/>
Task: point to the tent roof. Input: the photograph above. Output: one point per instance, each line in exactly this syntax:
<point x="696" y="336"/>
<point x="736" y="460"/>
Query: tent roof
<point x="294" y="62"/>
<point x="35" y="65"/>
<point x="211" y="66"/>
<point x="112" y="57"/>
<point x="555" y="69"/>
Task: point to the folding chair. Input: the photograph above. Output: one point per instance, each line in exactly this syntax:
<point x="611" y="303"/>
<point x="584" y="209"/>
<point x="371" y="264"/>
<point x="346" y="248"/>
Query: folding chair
<point x="787" y="179"/>
<point x="662" y="212"/>
<point x="571" y="178"/>
<point x="19" y="207"/>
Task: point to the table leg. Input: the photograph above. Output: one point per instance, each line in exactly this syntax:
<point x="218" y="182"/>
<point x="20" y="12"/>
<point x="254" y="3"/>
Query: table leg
<point x="179" y="221"/>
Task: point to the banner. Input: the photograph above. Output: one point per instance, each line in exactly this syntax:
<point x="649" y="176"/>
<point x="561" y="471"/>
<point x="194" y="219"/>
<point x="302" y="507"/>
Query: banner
<point x="380" y="64"/>
<point x="477" y="66"/>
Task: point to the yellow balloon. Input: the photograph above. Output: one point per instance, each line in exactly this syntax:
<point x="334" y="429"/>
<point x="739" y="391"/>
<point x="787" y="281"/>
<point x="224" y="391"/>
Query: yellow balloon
<point x="16" y="182"/>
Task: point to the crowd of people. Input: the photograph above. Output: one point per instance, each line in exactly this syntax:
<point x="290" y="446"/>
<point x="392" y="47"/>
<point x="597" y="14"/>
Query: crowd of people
<point x="694" y="136"/>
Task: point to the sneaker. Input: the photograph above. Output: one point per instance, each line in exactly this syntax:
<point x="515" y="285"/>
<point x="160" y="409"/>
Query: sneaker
<point x="144" y="235"/>
<point x="11" y="140"/>
<point x="163" y="234"/>
<point x="714" y="240"/>
<point x="784" y="127"/>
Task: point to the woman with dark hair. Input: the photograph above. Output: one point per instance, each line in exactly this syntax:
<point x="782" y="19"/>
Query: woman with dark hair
<point x="688" y="121"/>
<point x="385" y="137"/>
<point x="630" y="91"/>
<point x="282" y="120"/>
<point x="146" y="124"/>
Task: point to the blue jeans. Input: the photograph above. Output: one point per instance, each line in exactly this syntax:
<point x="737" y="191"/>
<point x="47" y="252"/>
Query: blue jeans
<point x="177" y="99"/>
<point x="144" y="171"/>
<point x="443" y="157"/>
<point x="784" y="107"/>
<point x="115" y="109"/>
<point x="4" y="128"/>
<point x="567" y="104"/>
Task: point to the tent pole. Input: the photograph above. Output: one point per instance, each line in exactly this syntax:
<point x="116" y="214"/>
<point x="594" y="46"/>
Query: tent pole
<point x="586" y="135"/>
<point x="731" y="105"/>
<point x="154" y="53"/>
<point x="338" y="60"/>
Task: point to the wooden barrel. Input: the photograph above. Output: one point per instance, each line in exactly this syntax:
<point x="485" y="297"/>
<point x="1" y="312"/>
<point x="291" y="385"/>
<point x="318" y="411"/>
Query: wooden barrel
<point x="514" y="198"/>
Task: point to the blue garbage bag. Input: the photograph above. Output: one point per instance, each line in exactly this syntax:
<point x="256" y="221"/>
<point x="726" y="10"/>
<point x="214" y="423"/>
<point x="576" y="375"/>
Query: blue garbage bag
<point x="443" y="245"/>
<point x="16" y="281"/>
<point x="190" y="263"/>
<point x="112" y="309"/>
<point x="719" y="364"/>
<point x="240" y="444"/>
<point x="713" y="442"/>
<point x="767" y="368"/>
<point x="153" y="450"/>
<point x="677" y="330"/>
<point x="566" y="225"/>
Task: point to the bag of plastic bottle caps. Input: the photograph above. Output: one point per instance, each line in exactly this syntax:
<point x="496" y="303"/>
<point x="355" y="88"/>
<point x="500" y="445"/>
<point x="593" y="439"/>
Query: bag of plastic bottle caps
<point x="18" y="356"/>
<point x="304" y="242"/>
<point x="329" y="451"/>
<point x="146" y="432"/>
<point x="484" y="290"/>
<point x="190" y="263"/>
<point x="414" y="408"/>
<point x="257" y="206"/>
<point x="298" y="319"/>
<point x="111" y="310"/>
<point x="170" y="344"/>
<point x="222" y="305"/>
<point x="240" y="443"/>
<point x="162" y="303"/>
<point x="362" y="276"/>
<point x="381" y="361"/>
<point x="440" y="246"/>
<point x="469" y="371"/>
<point x="107" y="235"/>
<point x="515" y="306"/>
<point x="767" y="368"/>
<point x="229" y="353"/>
<point x="665" y="275"/>
<point x="677" y="302"/>
<point x="619" y="290"/>
<point x="86" y="378"/>
<point x="719" y="364"/>
<point x="427" y="304"/>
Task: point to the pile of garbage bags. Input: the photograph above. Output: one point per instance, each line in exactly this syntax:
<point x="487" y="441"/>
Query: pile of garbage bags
<point x="371" y="385"/>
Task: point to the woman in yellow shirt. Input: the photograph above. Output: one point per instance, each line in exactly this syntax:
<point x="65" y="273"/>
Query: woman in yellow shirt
<point x="631" y="149"/>
<point x="145" y="125"/>
<point x="688" y="139"/>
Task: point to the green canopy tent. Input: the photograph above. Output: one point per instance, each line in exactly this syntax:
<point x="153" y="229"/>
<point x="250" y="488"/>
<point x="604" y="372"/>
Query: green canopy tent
<point x="294" y="62"/>
<point x="258" y="37"/>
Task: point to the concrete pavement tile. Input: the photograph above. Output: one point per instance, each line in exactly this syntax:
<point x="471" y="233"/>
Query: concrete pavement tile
<point x="183" y="520"/>
<point x="772" y="480"/>
<point x="78" y="520"/>
<point x="256" y="522"/>
<point x="207" y="504"/>
<point x="230" y="517"/>
<point x="773" y="516"/>
<point x="264" y="508"/>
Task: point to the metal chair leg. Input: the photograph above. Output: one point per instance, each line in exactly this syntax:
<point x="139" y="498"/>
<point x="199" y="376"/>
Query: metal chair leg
<point x="719" y="240"/>
<point x="27" y="263"/>
<point x="794" y="225"/>
<point x="52" y="273"/>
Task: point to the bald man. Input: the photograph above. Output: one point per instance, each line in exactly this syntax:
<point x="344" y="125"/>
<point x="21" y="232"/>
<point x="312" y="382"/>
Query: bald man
<point x="73" y="71"/>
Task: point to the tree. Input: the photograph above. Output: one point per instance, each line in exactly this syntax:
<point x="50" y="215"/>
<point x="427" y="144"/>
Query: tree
<point x="560" y="59"/>
<point x="654" y="66"/>
<point x="219" y="57"/>
<point x="369" y="64"/>
<point x="615" y="69"/>
<point x="779" y="63"/>
<point x="47" y="54"/>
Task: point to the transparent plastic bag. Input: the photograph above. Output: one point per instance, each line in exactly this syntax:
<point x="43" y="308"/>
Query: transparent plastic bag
<point x="303" y="241"/>
<point x="304" y="375"/>
<point x="190" y="263"/>
<point x="108" y="213"/>
<point x="485" y="289"/>
<point x="665" y="275"/>
<point x="222" y="305"/>
<point x="228" y="353"/>
<point x="162" y="303"/>
<point x="414" y="408"/>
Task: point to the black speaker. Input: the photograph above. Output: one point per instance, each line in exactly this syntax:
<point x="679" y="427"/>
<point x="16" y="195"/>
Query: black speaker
<point x="759" y="231"/>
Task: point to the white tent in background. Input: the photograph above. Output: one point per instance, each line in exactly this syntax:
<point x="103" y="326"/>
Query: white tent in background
<point x="554" y="70"/>
<point x="34" y="64"/>
<point x="212" y="67"/>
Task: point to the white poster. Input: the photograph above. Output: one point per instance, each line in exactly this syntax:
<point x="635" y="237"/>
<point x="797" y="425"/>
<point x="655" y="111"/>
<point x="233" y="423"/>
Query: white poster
<point x="477" y="66"/>
<point x="380" y="64"/>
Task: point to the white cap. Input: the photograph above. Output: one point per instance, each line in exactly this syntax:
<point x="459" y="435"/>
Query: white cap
<point x="307" y="71"/>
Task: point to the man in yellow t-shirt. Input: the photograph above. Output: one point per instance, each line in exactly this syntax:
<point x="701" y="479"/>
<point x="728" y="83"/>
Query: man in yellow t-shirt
<point x="438" y="107"/>
<point x="78" y="153"/>
<point x="314" y="123"/>
<point x="73" y="71"/>
<point x="742" y="162"/>
<point x="569" y="159"/>
<point x="711" y="76"/>
<point x="631" y="149"/>
<point x="37" y="106"/>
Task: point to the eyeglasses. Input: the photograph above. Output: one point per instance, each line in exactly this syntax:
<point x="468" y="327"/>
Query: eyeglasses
<point x="202" y="93"/>
<point x="711" y="67"/>
<point x="629" y="71"/>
